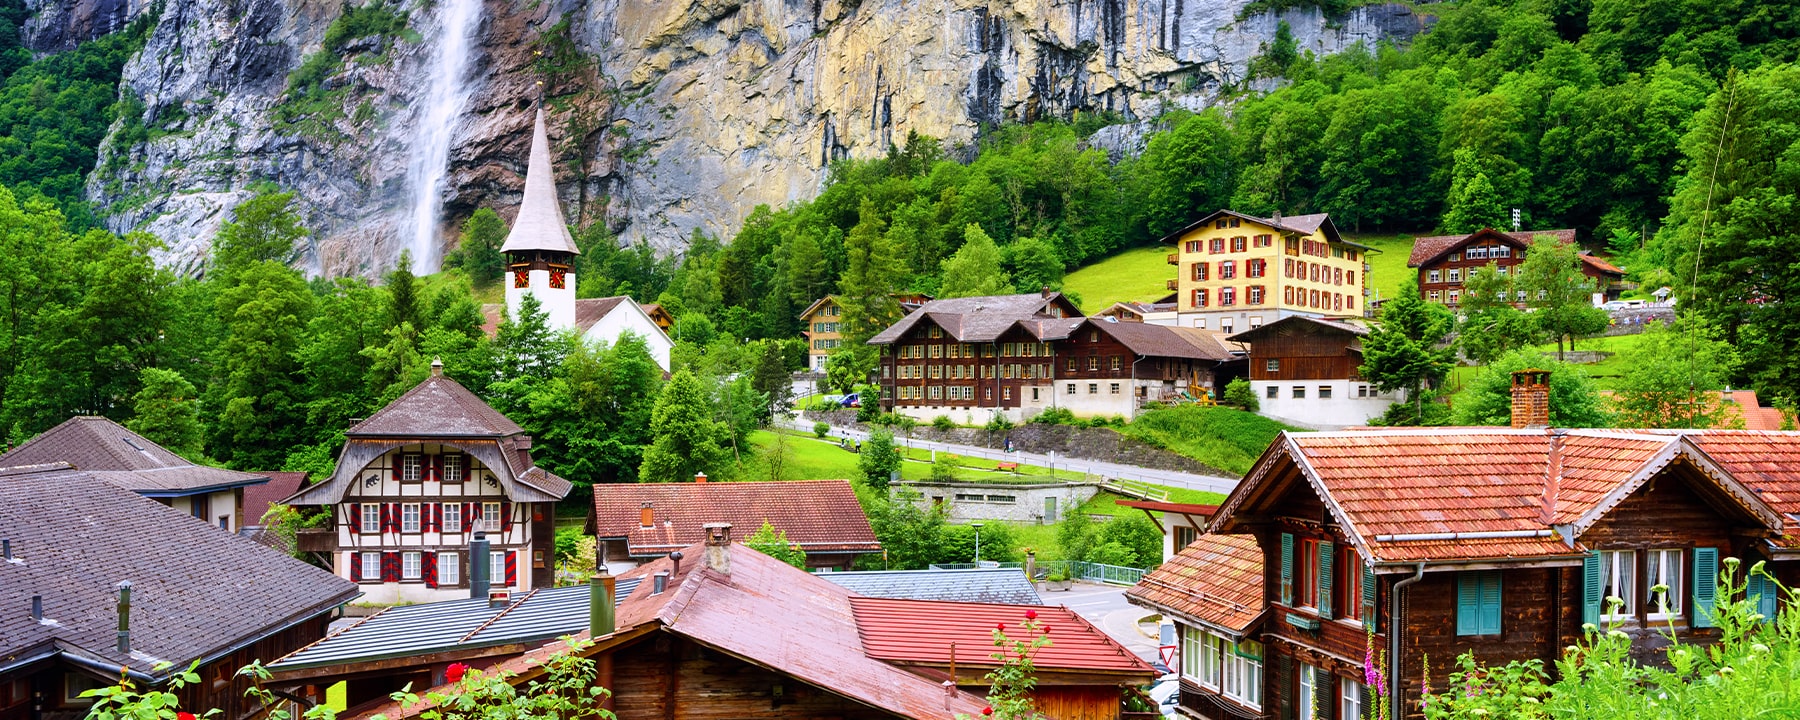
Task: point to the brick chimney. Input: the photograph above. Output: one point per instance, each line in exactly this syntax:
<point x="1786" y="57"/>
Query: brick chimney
<point x="1531" y="398"/>
<point x="646" y="514"/>
<point x="699" y="477"/>
<point x="718" y="547"/>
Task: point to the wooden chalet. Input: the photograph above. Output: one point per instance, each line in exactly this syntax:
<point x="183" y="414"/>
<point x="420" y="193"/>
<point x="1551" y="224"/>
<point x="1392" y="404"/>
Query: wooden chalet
<point x="1445" y="262"/>
<point x="1503" y="541"/>
<point x="638" y="522"/>
<point x="100" y="583"/>
<point x="1306" y="371"/>
<point x="1108" y="367"/>
<point x="966" y="355"/>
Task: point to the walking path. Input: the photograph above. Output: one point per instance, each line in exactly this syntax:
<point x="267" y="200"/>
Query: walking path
<point x="1172" y="478"/>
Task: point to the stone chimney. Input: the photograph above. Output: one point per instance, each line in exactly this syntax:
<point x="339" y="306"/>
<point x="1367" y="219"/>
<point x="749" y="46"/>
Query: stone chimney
<point x="718" y="547"/>
<point x="1531" y="398"/>
<point x="437" y="367"/>
<point x="1046" y="291"/>
<point x="646" y="514"/>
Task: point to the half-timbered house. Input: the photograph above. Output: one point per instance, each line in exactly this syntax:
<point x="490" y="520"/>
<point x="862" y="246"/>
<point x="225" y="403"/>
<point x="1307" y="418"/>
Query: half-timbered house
<point x="970" y="358"/>
<point x="418" y="481"/>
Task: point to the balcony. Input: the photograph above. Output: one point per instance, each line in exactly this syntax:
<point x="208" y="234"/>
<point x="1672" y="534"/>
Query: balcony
<point x="1174" y="258"/>
<point x="1172" y="284"/>
<point x="316" y="539"/>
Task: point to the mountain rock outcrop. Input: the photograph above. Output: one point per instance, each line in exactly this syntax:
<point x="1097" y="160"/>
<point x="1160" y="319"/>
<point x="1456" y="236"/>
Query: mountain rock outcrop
<point x="667" y="116"/>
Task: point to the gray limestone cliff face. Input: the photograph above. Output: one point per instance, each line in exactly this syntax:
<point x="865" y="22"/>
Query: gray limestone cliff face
<point x="691" y="113"/>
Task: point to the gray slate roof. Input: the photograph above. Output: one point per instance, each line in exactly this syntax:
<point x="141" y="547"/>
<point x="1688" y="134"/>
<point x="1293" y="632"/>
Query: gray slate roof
<point x="129" y="460"/>
<point x="983" y="585"/>
<point x="540" y="224"/>
<point x="437" y="407"/>
<point x="1164" y="340"/>
<point x="409" y="630"/>
<point x="985" y="317"/>
<point x="199" y="591"/>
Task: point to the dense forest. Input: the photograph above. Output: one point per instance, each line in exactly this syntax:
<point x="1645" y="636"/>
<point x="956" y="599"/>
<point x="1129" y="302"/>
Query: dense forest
<point x="1664" y="130"/>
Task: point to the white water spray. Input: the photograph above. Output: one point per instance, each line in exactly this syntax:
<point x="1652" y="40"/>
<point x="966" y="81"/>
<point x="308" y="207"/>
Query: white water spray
<point x="440" y="105"/>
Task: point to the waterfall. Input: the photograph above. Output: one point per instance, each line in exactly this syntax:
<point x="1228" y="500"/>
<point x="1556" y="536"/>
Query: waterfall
<point x="440" y="105"/>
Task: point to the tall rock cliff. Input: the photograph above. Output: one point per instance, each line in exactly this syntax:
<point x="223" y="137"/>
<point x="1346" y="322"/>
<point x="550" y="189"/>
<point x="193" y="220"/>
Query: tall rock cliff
<point x="668" y="115"/>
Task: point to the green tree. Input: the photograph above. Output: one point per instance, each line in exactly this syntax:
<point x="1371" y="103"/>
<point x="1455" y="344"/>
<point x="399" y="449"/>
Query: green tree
<point x="1404" y="351"/>
<point x="1474" y="205"/>
<point x="975" y="268"/>
<point x="774" y="543"/>
<point x="867" y="285"/>
<point x="1140" y="537"/>
<point x="1075" y="535"/>
<point x="1491" y="326"/>
<point x="403" y="294"/>
<point x="256" y="398"/>
<point x="167" y="412"/>
<point x="770" y="377"/>
<point x="478" y="248"/>
<point x="1559" y="294"/>
<point x="1673" y="377"/>
<point x="879" y="459"/>
<point x="1034" y="264"/>
<point x="1574" y="399"/>
<point x="1239" y="393"/>
<point x="1186" y="171"/>
<point x="685" y="439"/>
<point x="912" y="538"/>
<point x="595" y="414"/>
<point x="264" y="228"/>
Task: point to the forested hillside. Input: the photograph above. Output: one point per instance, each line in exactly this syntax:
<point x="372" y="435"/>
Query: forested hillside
<point x="1647" y="125"/>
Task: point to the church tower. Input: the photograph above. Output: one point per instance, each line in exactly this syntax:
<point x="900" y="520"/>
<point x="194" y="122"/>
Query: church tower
<point x="540" y="254"/>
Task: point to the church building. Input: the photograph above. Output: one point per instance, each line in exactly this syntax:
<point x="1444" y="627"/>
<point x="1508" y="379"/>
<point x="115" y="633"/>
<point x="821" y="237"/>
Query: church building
<point x="428" y="484"/>
<point x="540" y="261"/>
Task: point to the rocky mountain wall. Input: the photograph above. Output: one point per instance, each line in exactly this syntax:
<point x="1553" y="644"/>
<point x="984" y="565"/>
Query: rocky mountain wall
<point x="669" y="115"/>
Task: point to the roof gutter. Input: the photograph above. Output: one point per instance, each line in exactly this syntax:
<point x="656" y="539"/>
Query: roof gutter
<point x="110" y="670"/>
<point x="185" y="492"/>
<point x="1395" y="624"/>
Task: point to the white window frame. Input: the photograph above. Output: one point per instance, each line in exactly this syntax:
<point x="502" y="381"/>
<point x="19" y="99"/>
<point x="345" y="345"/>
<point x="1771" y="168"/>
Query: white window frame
<point x="497" y="569"/>
<point x="453" y="467"/>
<point x="449" y="569"/>
<point x="1664" y="566"/>
<point x="371" y="565"/>
<point x="1350" y="698"/>
<point x="1309" y="680"/>
<point x="412" y="467"/>
<point x="370" y="522"/>
<point x="1245" y="675"/>
<point x="1618" y="573"/>
<point x="1455" y="274"/>
<point x="1433" y="276"/>
<point x="490" y="517"/>
<point x="412" y="565"/>
<point x="409" y="517"/>
<point x="1272" y="365"/>
<point x="451" y="515"/>
<point x="1193" y="653"/>
<point x="1114" y="388"/>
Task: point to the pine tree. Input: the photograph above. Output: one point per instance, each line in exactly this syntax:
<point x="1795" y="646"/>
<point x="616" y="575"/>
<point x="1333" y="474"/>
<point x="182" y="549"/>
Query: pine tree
<point x="1402" y="352"/>
<point x="256" y="399"/>
<point x="1475" y="205"/>
<point x="870" y="279"/>
<point x="403" y="294"/>
<point x="975" y="268"/>
<point x="686" y="438"/>
<point x="478" y="248"/>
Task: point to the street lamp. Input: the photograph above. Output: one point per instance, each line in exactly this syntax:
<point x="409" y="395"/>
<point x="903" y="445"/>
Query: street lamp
<point x="977" y="527"/>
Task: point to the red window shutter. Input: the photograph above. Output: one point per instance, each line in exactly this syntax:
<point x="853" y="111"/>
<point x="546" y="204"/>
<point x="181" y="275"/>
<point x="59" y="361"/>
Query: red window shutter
<point x="512" y="568"/>
<point x="428" y="568"/>
<point x="505" y="517"/>
<point x="355" y="517"/>
<point x="390" y="567"/>
<point x="390" y="514"/>
<point x="356" y="566"/>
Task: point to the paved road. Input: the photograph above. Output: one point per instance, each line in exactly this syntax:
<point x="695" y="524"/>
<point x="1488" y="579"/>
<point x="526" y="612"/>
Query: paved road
<point x="1105" y="607"/>
<point x="1210" y="483"/>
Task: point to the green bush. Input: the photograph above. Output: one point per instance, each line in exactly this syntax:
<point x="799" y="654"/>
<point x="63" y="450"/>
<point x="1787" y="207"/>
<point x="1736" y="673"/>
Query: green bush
<point x="943" y="422"/>
<point x="821" y="429"/>
<point x="1238" y="393"/>
<point x="1054" y="416"/>
<point x="879" y="459"/>
<point x="999" y="423"/>
<point x="944" y="469"/>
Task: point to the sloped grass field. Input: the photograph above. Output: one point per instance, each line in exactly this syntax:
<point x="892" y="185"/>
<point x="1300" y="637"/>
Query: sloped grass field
<point x="1224" y="438"/>
<point x="1136" y="274"/>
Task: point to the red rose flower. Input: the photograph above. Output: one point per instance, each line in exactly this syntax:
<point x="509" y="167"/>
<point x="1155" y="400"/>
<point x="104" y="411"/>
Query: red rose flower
<point x="454" y="673"/>
<point x="1046" y="629"/>
<point x="1000" y="626"/>
<point x="987" y="710"/>
<point x="1030" y="614"/>
<point x="184" y="716"/>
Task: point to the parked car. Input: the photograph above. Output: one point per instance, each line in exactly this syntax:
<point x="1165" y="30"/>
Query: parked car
<point x="853" y="400"/>
<point x="1612" y="305"/>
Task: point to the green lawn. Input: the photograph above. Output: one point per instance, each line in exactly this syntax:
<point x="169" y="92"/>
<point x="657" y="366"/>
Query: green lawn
<point x="490" y="294"/>
<point x="1227" y="439"/>
<point x="809" y="458"/>
<point x="1136" y="274"/>
<point x="1387" y="269"/>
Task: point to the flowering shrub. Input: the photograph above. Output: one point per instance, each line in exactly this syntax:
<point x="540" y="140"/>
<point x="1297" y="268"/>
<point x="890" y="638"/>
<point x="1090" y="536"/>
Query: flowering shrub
<point x="1749" y="672"/>
<point x="1010" y="684"/>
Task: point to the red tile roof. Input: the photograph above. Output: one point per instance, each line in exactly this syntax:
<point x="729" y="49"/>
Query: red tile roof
<point x="922" y="632"/>
<point x="1768" y="462"/>
<point x="258" y="498"/>
<point x="1216" y="580"/>
<point x="1602" y="265"/>
<point x="767" y="613"/>
<point x="1427" y="249"/>
<point x="1756" y="417"/>
<point x="822" y="516"/>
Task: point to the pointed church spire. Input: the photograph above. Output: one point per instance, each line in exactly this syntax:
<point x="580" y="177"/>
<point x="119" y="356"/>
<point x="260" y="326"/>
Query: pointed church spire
<point x="540" y="224"/>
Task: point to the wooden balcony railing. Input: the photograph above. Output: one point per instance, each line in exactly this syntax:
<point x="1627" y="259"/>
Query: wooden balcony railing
<point x="1174" y="258"/>
<point x="1173" y="284"/>
<point x="316" y="539"/>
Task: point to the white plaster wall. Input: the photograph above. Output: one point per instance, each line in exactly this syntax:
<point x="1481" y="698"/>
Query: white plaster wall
<point x="1344" y="408"/>
<point x="1027" y="505"/>
<point x="628" y="317"/>
<point x="1241" y="320"/>
<point x="221" y="503"/>
<point x="559" y="305"/>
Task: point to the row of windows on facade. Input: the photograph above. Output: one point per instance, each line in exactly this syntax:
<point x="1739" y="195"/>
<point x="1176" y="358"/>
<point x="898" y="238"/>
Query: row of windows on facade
<point x="968" y="350"/>
<point x="439" y="568"/>
<point x="1298" y="392"/>
<point x="1008" y="371"/>
<point x="404" y="517"/>
<point x="825" y="327"/>
<point x="1254" y="295"/>
<point x="1455" y="275"/>
<point x="559" y="279"/>
<point x="446" y="467"/>
<point x="1456" y="296"/>
<point x="1293" y="246"/>
<point x="1491" y="251"/>
<point x="967" y="392"/>
<point x="826" y="344"/>
<point x="1290" y="268"/>
<point x="1234" y="669"/>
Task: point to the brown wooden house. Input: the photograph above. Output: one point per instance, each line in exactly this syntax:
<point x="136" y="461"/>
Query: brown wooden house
<point x="74" y="541"/>
<point x="1504" y="541"/>
<point x="1445" y="262"/>
<point x="1111" y="367"/>
<point x="974" y="356"/>
<point x="1306" y="371"/>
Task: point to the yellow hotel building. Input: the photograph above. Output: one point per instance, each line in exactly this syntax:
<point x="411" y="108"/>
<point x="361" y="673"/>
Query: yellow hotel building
<point x="1237" y="272"/>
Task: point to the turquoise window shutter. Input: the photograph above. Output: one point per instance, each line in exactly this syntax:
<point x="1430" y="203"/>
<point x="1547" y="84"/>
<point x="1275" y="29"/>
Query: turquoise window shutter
<point x="1591" y="587"/>
<point x="1490" y="602"/>
<point x="1762" y="592"/>
<point x="1326" y="558"/>
<point x="1706" y="585"/>
<point x="1369" y="609"/>
<point x="1287" y="569"/>
<point x="1468" y="596"/>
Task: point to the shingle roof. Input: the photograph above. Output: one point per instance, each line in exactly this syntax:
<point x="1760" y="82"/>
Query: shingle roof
<point x="1472" y="493"/>
<point x="75" y="537"/>
<point x="1429" y="248"/>
<point x="540" y="224"/>
<point x="1299" y="224"/>
<point x="437" y="407"/>
<point x="821" y="516"/>
<point x="1149" y="340"/>
<point x="1216" y="580"/>
<point x="984" y="318"/>
<point x="258" y="498"/>
<point x="590" y="310"/>
<point x="133" y="462"/>
<point x="411" y="630"/>
<point x="924" y="631"/>
<point x="1768" y="462"/>
<point x="1601" y="265"/>
<point x="980" y="585"/>
<point x="767" y="613"/>
<point x="1251" y="335"/>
